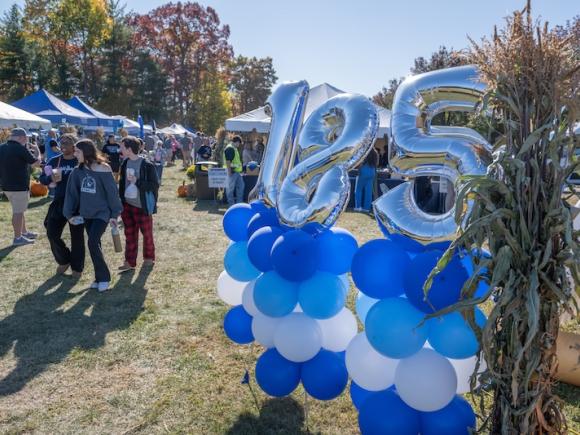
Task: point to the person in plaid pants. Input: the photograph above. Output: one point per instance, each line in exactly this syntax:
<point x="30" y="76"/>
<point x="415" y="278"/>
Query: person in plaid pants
<point x="138" y="188"/>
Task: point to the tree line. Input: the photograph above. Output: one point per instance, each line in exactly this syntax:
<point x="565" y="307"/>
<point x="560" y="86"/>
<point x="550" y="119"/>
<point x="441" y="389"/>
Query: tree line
<point x="172" y="64"/>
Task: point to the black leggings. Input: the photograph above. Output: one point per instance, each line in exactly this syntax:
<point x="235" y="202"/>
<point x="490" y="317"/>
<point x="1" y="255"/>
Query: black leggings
<point x="95" y="229"/>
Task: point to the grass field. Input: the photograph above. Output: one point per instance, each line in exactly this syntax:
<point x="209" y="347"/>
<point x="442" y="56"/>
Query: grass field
<point x="149" y="356"/>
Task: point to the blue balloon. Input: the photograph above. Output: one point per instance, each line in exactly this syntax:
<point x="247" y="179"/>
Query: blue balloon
<point x="358" y="394"/>
<point x="384" y="413"/>
<point x="325" y="376"/>
<point x="455" y="419"/>
<point x="313" y="228"/>
<point x="337" y="248"/>
<point x="447" y="285"/>
<point x="468" y="264"/>
<point x="363" y="304"/>
<point x="238" y="325"/>
<point x="275" y="296"/>
<point x="236" y="221"/>
<point x="260" y="246"/>
<point x="238" y="264"/>
<point x="266" y="218"/>
<point x="258" y="206"/>
<point x="378" y="268"/>
<point x="295" y="255"/>
<point x="322" y="296"/>
<point x="276" y="375"/>
<point x="392" y="328"/>
<point x="451" y="335"/>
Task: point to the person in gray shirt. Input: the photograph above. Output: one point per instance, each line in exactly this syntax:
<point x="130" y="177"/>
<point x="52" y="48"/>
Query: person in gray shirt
<point x="92" y="194"/>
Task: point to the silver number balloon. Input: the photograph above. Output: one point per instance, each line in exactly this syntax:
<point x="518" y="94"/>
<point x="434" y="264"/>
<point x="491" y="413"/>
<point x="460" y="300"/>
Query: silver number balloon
<point x="286" y="107"/>
<point x="334" y="138"/>
<point x="417" y="149"/>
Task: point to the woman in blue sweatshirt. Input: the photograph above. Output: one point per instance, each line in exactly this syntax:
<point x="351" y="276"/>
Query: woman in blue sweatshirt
<point x="92" y="191"/>
<point x="363" y="192"/>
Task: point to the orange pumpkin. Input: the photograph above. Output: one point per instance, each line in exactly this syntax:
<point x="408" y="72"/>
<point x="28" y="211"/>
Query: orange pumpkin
<point x="182" y="191"/>
<point x="38" y="189"/>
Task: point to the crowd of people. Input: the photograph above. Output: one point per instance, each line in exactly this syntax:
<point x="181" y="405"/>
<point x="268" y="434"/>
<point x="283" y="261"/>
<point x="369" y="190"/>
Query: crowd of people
<point x="91" y="190"/>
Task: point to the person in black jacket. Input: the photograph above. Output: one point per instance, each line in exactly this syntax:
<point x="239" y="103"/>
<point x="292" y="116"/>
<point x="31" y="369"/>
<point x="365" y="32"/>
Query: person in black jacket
<point x="55" y="221"/>
<point x="113" y="152"/>
<point x="138" y="189"/>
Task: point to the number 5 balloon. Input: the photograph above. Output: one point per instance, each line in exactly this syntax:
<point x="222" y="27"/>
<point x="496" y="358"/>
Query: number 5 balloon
<point x="418" y="149"/>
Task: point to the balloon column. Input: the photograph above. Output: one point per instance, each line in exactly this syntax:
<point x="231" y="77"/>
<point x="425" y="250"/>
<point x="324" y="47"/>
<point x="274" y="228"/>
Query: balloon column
<point x="286" y="268"/>
<point x="289" y="298"/>
<point x="407" y="371"/>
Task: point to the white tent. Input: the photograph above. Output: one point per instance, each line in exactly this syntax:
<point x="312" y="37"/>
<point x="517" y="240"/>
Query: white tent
<point x="11" y="116"/>
<point x="257" y="118"/>
<point x="131" y="126"/>
<point x="174" y="129"/>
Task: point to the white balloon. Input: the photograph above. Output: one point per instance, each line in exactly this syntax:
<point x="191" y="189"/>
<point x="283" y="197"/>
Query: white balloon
<point x="298" y="337"/>
<point x="229" y="290"/>
<point x="338" y="331"/>
<point x="263" y="328"/>
<point x="363" y="304"/>
<point x="426" y="381"/>
<point x="248" y="299"/>
<point x="464" y="369"/>
<point x="368" y="368"/>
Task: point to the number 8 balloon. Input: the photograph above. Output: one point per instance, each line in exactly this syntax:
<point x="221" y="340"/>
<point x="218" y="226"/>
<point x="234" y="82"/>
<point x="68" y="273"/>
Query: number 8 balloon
<point x="417" y="149"/>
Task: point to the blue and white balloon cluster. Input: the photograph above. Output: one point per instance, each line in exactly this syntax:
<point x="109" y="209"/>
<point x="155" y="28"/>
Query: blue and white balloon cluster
<point x="289" y="288"/>
<point x="407" y="372"/>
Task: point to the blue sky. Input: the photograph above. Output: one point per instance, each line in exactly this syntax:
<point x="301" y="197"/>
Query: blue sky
<point x="358" y="45"/>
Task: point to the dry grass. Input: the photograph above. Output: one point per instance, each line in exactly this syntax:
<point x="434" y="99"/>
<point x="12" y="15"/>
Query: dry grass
<point x="148" y="356"/>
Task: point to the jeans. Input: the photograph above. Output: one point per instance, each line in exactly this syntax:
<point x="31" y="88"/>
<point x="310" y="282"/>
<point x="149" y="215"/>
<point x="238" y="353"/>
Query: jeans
<point x="235" y="188"/>
<point x="363" y="191"/>
<point x="54" y="224"/>
<point x="159" y="170"/>
<point x="95" y="229"/>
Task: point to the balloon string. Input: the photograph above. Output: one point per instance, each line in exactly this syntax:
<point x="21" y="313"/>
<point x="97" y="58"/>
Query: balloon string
<point x="248" y="380"/>
<point x="306" y="410"/>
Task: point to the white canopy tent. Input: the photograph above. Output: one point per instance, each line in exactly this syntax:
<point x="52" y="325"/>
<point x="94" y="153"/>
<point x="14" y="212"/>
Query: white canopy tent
<point x="173" y="129"/>
<point x="131" y="126"/>
<point x="11" y="116"/>
<point x="258" y="120"/>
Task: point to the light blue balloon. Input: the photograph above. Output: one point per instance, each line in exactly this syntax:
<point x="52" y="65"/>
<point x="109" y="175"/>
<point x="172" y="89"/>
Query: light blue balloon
<point x="451" y="335"/>
<point x="275" y="296"/>
<point x="363" y="305"/>
<point x="322" y="296"/>
<point x="392" y="328"/>
<point x="238" y="264"/>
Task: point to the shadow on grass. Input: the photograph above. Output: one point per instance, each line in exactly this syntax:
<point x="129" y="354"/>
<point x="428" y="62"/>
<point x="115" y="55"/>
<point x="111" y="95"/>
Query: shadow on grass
<point x="42" y="333"/>
<point x="40" y="202"/>
<point x="5" y="252"/>
<point x="210" y="206"/>
<point x="277" y="416"/>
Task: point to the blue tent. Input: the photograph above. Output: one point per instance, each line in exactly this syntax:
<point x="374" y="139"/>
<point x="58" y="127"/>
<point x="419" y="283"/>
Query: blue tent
<point x="46" y="105"/>
<point x="105" y="121"/>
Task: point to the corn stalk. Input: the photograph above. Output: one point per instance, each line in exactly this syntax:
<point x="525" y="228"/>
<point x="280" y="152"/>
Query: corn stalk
<point x="520" y="214"/>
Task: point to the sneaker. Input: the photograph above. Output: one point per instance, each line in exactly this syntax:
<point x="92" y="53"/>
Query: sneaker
<point x="103" y="286"/>
<point x="148" y="262"/>
<point x="21" y="241"/>
<point x="125" y="267"/>
<point x="76" y="274"/>
<point x="94" y="285"/>
<point x="30" y="235"/>
<point x="62" y="268"/>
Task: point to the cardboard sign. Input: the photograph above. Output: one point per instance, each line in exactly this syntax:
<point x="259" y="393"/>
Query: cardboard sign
<point x="216" y="177"/>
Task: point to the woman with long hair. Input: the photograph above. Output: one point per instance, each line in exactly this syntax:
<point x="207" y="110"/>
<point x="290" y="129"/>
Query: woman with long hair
<point x="91" y="194"/>
<point x="363" y="191"/>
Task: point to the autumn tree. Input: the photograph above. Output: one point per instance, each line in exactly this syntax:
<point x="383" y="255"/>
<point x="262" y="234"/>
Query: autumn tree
<point x="251" y="82"/>
<point x="212" y="102"/>
<point x="15" y="79"/>
<point x="386" y="95"/>
<point x="188" y="41"/>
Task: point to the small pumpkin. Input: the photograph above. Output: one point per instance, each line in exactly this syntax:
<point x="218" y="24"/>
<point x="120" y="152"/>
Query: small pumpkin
<point x="38" y="189"/>
<point x="182" y="191"/>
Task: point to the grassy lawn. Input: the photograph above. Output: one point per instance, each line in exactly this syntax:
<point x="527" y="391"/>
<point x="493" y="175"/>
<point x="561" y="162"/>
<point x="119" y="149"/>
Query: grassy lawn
<point x="149" y="356"/>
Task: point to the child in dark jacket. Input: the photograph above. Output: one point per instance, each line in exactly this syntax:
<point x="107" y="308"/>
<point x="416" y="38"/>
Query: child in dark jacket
<point x="138" y="188"/>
